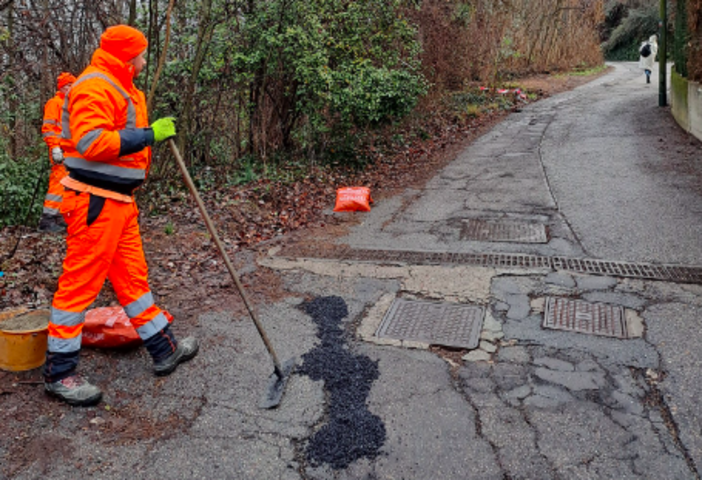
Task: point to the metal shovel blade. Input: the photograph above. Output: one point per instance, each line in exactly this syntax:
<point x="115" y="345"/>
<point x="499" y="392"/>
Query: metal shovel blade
<point x="276" y="385"/>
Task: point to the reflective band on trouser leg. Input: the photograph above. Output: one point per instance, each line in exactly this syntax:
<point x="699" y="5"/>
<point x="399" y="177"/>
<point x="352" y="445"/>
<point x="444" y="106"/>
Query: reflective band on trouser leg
<point x="54" y="196"/>
<point x="139" y="306"/>
<point x="51" y="211"/>
<point x="129" y="277"/>
<point x="89" y="253"/>
<point x="52" y="204"/>
<point x="65" y="330"/>
<point x="152" y="327"/>
<point x="64" y="344"/>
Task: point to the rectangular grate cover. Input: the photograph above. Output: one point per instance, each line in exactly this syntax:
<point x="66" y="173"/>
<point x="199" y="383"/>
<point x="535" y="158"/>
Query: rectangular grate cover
<point x="503" y="231"/>
<point x="646" y="271"/>
<point x="585" y="317"/>
<point x="436" y="323"/>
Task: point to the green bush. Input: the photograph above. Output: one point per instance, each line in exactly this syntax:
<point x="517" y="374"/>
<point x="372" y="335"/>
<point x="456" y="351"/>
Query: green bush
<point x="18" y="179"/>
<point x="626" y="39"/>
<point x="336" y="65"/>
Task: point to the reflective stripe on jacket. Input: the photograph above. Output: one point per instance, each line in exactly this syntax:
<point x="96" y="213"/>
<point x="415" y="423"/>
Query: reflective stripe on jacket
<point x="105" y="117"/>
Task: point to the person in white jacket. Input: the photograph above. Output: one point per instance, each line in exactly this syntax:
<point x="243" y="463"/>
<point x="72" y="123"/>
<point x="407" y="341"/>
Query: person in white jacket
<point x="647" y="56"/>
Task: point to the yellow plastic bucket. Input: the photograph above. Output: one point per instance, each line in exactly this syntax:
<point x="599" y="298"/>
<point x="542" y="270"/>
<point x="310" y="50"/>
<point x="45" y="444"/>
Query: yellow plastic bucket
<point x="22" y="349"/>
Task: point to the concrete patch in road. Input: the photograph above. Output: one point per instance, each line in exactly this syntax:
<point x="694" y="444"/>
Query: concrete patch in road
<point x="370" y="323"/>
<point x="634" y="323"/>
<point x="456" y="283"/>
<point x="624" y="299"/>
<point x="561" y="279"/>
<point x="538" y="305"/>
<point x="591" y="282"/>
<point x="477" y="356"/>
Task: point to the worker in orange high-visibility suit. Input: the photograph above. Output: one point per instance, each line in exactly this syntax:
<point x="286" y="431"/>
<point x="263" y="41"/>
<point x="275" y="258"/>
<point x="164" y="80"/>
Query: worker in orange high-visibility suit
<point x="51" y="220"/>
<point x="105" y="117"/>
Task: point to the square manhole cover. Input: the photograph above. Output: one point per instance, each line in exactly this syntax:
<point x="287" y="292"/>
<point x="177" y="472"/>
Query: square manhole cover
<point x="436" y="323"/>
<point x="503" y="231"/>
<point x="585" y="317"/>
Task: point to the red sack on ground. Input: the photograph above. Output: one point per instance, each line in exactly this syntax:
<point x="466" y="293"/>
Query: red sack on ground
<point x="353" y="199"/>
<point x="109" y="327"/>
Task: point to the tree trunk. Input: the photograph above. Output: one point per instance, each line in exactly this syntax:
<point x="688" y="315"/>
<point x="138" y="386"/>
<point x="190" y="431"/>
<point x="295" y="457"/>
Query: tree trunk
<point x="132" y="12"/>
<point x="204" y="36"/>
<point x="11" y="80"/>
<point x="162" y="59"/>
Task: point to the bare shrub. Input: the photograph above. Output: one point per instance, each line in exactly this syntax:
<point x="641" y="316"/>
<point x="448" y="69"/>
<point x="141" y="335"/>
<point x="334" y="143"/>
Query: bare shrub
<point x="491" y="40"/>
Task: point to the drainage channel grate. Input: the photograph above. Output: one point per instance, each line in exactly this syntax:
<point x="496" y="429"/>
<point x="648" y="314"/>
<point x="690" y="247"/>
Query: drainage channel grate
<point x="644" y="271"/>
<point x="436" y="323"/>
<point x="585" y="317"/>
<point x="501" y="231"/>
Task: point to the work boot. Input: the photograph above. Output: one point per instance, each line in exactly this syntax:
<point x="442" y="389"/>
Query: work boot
<point x="186" y="350"/>
<point x="74" y="390"/>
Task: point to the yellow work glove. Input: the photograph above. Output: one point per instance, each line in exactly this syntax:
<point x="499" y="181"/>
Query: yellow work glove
<point x="164" y="128"/>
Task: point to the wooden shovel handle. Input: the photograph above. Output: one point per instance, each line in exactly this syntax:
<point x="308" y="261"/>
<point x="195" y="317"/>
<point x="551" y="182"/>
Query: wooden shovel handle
<point x="227" y="262"/>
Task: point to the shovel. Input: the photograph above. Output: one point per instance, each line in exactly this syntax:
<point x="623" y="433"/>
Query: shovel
<point x="281" y="374"/>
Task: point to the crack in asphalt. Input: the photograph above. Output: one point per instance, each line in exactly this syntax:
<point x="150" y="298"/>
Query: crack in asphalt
<point x="657" y="399"/>
<point x="456" y="384"/>
<point x="300" y="458"/>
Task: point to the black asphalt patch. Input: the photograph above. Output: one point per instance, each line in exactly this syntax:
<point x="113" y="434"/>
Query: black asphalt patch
<point x="351" y="432"/>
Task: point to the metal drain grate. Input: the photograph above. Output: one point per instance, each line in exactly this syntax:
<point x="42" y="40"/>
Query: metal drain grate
<point x="436" y="323"/>
<point x="503" y="231"/>
<point x="644" y="271"/>
<point x="584" y="317"/>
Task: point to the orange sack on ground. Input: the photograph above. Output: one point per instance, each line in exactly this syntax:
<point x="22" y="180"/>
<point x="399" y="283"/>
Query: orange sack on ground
<point x="353" y="199"/>
<point x="109" y="327"/>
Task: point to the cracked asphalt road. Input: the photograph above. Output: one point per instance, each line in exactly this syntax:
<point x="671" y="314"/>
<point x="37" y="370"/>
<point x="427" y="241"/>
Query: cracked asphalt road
<point x="532" y="403"/>
<point x="529" y="403"/>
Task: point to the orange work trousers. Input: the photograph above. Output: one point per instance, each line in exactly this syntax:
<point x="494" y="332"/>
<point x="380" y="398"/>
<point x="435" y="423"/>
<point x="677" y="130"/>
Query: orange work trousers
<point x="52" y="201"/>
<point x="103" y="242"/>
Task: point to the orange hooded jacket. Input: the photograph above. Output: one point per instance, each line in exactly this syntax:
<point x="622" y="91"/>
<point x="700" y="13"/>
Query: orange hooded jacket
<point x="51" y="128"/>
<point x="106" y="119"/>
